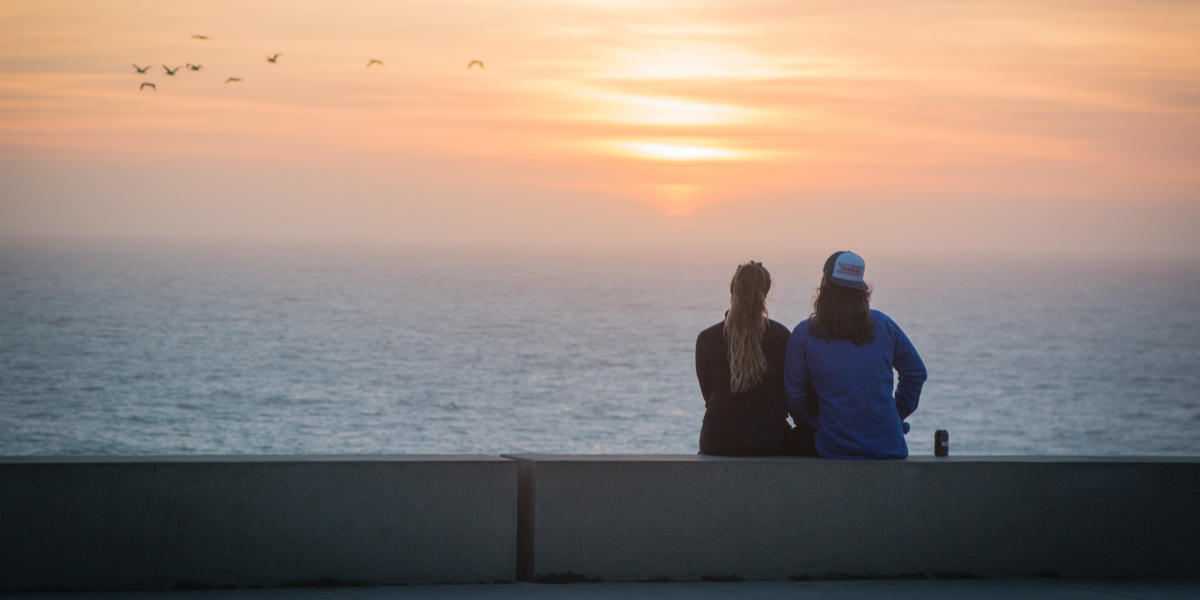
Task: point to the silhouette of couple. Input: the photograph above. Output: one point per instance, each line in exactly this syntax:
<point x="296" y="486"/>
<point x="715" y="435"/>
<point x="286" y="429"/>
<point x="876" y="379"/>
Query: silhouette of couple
<point x="833" y="374"/>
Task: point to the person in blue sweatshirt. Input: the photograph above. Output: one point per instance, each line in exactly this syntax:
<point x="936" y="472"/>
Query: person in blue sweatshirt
<point x="845" y="354"/>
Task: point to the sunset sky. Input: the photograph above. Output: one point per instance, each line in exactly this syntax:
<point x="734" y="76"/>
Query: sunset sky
<point x="975" y="127"/>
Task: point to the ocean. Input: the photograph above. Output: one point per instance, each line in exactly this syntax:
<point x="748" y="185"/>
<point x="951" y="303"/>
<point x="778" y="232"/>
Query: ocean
<point x="142" y="350"/>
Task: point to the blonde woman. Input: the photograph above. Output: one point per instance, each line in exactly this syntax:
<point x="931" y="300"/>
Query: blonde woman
<point x="739" y="363"/>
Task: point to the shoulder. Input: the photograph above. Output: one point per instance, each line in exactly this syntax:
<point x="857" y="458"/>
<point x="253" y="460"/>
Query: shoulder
<point x="776" y="335"/>
<point x="775" y="328"/>
<point x="879" y="317"/>
<point x="716" y="332"/>
<point x="800" y="332"/>
<point x="885" y="321"/>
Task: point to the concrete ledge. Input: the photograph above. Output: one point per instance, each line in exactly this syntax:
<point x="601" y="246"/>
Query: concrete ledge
<point x="688" y="517"/>
<point x="158" y="522"/>
<point x="149" y="522"/>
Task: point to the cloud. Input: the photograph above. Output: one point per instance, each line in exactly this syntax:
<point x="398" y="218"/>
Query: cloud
<point x="571" y="126"/>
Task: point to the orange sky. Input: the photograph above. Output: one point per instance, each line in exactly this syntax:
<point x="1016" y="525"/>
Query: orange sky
<point x="948" y="126"/>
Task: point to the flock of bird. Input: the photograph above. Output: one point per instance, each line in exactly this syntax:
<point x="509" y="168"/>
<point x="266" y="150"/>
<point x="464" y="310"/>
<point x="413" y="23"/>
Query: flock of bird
<point x="273" y="58"/>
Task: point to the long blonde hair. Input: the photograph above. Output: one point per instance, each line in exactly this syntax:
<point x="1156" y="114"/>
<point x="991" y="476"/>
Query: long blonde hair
<point x="744" y="325"/>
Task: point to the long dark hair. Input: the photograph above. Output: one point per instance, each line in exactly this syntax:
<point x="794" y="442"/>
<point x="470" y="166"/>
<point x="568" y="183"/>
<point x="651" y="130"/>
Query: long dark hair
<point x="744" y="325"/>
<point x="841" y="313"/>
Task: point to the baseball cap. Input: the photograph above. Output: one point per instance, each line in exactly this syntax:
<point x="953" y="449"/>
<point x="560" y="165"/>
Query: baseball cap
<point x="846" y="269"/>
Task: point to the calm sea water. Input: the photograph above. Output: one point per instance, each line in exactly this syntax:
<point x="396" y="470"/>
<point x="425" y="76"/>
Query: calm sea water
<point x="186" y="351"/>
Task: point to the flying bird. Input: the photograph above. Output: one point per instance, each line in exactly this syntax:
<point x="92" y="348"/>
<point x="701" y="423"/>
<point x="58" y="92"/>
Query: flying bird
<point x="374" y="61"/>
<point x="200" y="37"/>
<point x="272" y="59"/>
<point x="146" y="84"/>
<point x="141" y="69"/>
<point x="233" y="80"/>
<point x="473" y="63"/>
<point x="194" y="67"/>
<point x="170" y="71"/>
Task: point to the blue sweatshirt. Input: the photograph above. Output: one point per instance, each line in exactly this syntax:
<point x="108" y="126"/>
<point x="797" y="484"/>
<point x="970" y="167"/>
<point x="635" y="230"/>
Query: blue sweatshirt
<point x="857" y="414"/>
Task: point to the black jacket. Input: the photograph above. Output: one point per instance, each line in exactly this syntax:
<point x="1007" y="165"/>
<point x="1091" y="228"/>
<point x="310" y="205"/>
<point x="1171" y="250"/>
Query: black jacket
<point x="754" y="422"/>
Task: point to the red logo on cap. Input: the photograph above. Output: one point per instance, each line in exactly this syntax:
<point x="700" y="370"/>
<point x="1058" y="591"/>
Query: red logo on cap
<point x="851" y="270"/>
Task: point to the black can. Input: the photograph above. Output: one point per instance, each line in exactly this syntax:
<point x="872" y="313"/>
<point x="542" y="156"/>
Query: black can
<point x="941" y="443"/>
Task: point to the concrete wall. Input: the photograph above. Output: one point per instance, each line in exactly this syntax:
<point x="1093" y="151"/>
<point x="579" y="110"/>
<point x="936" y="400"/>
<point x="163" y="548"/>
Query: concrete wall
<point x="150" y="522"/>
<point x="687" y="517"/>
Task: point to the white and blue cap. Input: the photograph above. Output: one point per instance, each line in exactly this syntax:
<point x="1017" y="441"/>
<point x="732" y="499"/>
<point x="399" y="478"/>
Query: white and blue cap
<point x="846" y="269"/>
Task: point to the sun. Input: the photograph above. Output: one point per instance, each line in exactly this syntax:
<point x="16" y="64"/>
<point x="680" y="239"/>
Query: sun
<point x="637" y="109"/>
<point x="677" y="199"/>
<point x="675" y="151"/>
